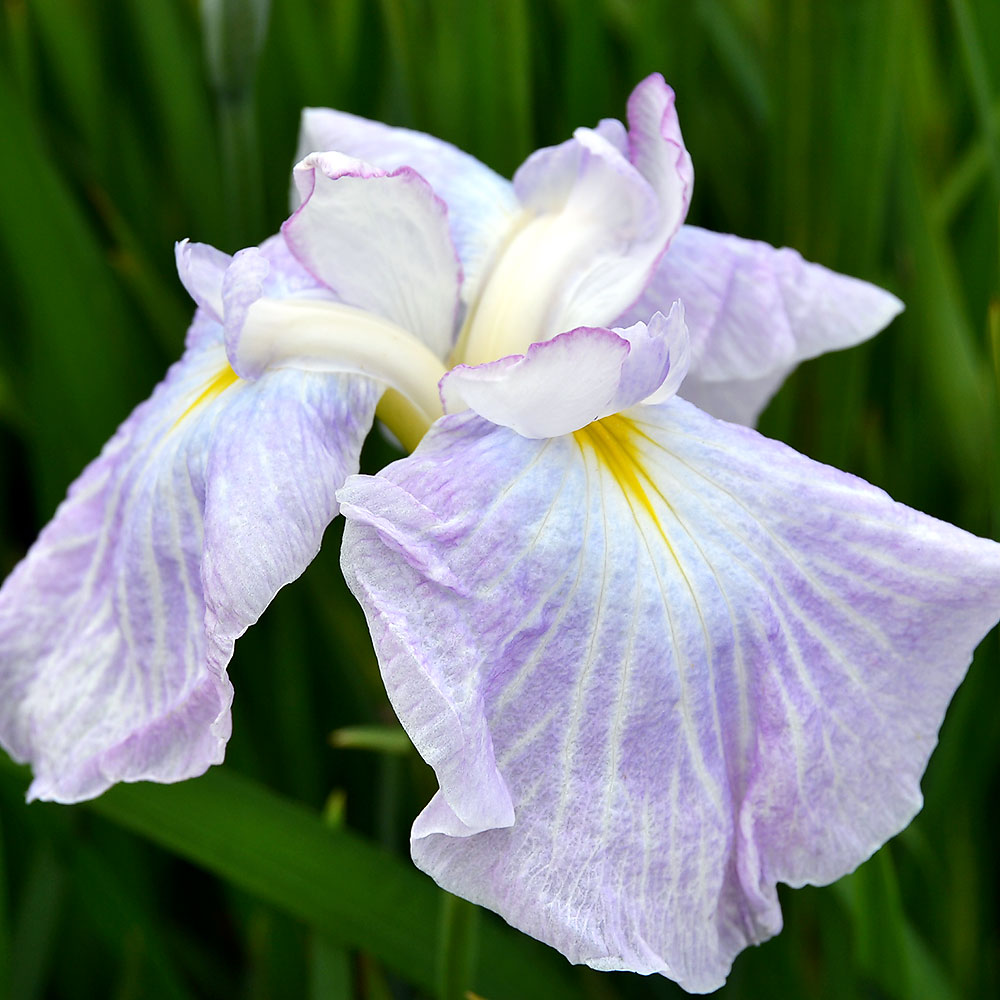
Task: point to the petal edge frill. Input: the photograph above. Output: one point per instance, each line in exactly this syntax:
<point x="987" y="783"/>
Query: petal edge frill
<point x="698" y="662"/>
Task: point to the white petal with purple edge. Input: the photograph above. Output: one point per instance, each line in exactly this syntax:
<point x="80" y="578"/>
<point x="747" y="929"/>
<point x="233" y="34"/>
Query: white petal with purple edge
<point x="481" y="203"/>
<point x="565" y="383"/>
<point x="657" y="150"/>
<point x="693" y="661"/>
<point x="754" y="313"/>
<point x="556" y="387"/>
<point x="580" y="254"/>
<point x="116" y="628"/>
<point x="380" y="241"/>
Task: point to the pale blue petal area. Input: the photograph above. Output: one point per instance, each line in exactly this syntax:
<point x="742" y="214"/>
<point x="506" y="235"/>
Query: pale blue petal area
<point x="116" y="628"/>
<point x="481" y="203"/>
<point x="380" y="241"/>
<point x="695" y="662"/>
<point x="201" y="269"/>
<point x="754" y="312"/>
<point x="565" y="383"/>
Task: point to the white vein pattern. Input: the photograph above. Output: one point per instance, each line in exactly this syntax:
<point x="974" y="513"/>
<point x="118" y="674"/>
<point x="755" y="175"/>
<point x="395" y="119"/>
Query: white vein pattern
<point x="640" y="725"/>
<point x="117" y="627"/>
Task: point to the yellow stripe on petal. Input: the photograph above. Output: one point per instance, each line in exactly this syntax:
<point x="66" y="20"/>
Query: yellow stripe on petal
<point x="214" y="387"/>
<point x="615" y="442"/>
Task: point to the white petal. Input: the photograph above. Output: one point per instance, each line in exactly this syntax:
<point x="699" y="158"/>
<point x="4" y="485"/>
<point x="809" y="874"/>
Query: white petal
<point x="563" y="384"/>
<point x="380" y="241"/>
<point x="481" y="204"/>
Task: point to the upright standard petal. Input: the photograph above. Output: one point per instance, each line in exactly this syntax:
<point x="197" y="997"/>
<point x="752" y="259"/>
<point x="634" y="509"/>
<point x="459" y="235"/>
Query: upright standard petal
<point x="380" y="241"/>
<point x="658" y="666"/>
<point x="597" y="212"/>
<point x="656" y="149"/>
<point x="754" y="313"/>
<point x="481" y="203"/>
<point x="116" y="629"/>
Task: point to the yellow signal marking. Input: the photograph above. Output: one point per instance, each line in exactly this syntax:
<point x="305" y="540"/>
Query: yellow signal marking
<point x="215" y="387"/>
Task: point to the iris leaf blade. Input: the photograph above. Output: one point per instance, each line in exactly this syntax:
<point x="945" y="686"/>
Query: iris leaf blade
<point x="353" y="893"/>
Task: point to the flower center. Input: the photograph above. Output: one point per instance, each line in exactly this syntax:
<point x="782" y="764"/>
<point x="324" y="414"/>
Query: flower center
<point x="518" y="304"/>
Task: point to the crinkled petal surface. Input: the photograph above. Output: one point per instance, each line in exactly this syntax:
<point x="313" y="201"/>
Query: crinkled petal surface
<point x="481" y="203"/>
<point x="116" y="628"/>
<point x="658" y="666"/>
<point x="754" y="313"/>
<point x="560" y="385"/>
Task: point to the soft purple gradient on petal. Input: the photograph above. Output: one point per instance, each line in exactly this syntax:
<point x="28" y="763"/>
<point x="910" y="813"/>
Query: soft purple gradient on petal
<point x="727" y="676"/>
<point x="116" y="628"/>
<point x="754" y="313"/>
<point x="380" y="241"/>
<point x="565" y="383"/>
<point x="481" y="203"/>
<point x="658" y="358"/>
<point x="243" y="285"/>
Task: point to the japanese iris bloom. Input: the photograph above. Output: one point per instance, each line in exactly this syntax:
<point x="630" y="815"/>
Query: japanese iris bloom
<point x="657" y="662"/>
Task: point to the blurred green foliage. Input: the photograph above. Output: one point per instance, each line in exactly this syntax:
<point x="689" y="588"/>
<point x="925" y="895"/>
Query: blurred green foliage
<point x="866" y="133"/>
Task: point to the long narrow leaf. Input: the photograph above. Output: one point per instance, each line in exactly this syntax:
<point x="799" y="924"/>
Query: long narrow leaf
<point x="355" y="894"/>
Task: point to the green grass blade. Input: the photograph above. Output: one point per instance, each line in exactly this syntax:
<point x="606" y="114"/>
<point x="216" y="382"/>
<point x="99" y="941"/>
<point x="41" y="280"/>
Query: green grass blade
<point x="124" y="923"/>
<point x="5" y="947"/>
<point x="35" y="927"/>
<point x="329" y="971"/>
<point x="458" y="946"/>
<point x="78" y="356"/>
<point x="736" y="55"/>
<point x="979" y="83"/>
<point x="355" y="894"/>
<point x="69" y="36"/>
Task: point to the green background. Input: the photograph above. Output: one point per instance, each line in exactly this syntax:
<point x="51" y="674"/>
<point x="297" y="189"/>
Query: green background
<point x="866" y="133"/>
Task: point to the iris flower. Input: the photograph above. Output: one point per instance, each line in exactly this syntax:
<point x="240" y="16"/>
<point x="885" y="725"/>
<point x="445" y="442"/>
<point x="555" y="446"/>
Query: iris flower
<point x="658" y="662"/>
